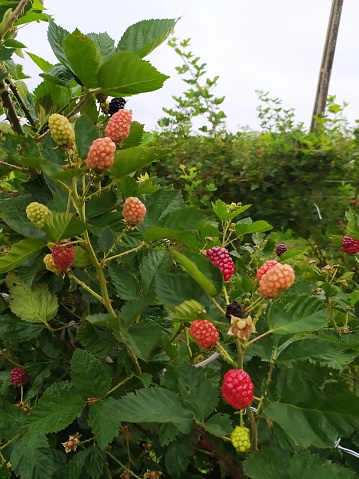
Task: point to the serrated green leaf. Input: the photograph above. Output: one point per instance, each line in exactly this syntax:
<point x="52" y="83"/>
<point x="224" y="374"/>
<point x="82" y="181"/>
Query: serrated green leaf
<point x="135" y="136"/>
<point x="19" y="253"/>
<point x="141" y="338"/>
<point x="255" y="227"/>
<point x="127" y="74"/>
<point x="197" y="392"/>
<point x="105" y="44"/>
<point x="106" y="239"/>
<point x="132" y="310"/>
<point x="178" y="456"/>
<point x="99" y="342"/>
<point x="85" y="134"/>
<point x="77" y="464"/>
<point x="89" y="375"/>
<point x="40" y="62"/>
<point x="60" y="75"/>
<point x="155" y="405"/>
<point x="56" y="36"/>
<point x="174" y="289"/>
<point x="167" y="433"/>
<point x="82" y="258"/>
<point x="132" y="159"/>
<point x="34" y="305"/>
<point x="60" y="226"/>
<point x="83" y="57"/>
<point x="125" y="283"/>
<point x="103" y="202"/>
<point x="106" y="320"/>
<point x="143" y="37"/>
<point x="153" y="262"/>
<point x="12" y="420"/>
<point x="201" y="269"/>
<point x="352" y="228"/>
<point x="330" y="353"/>
<point x="13" y="329"/>
<point x="219" y="425"/>
<point x="31" y="457"/>
<point x="294" y="313"/>
<point x="56" y="409"/>
<point x="95" y="462"/>
<point x="104" y="420"/>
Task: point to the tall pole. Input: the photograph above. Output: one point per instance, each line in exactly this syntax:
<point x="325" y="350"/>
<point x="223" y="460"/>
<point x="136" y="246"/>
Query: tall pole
<point x="327" y="61"/>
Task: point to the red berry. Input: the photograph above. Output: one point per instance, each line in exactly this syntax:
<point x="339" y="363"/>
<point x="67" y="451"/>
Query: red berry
<point x="118" y="126"/>
<point x="264" y="268"/>
<point x="134" y="211"/>
<point x="237" y="388"/>
<point x="350" y="245"/>
<point x="204" y="333"/>
<point x="276" y="280"/>
<point x="63" y="255"/>
<point x="101" y="155"/>
<point x="220" y="257"/>
<point x="18" y="376"/>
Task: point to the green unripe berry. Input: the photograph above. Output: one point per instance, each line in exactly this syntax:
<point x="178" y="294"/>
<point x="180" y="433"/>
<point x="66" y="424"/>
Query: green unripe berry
<point x="37" y="212"/>
<point x="241" y="438"/>
<point x="61" y="130"/>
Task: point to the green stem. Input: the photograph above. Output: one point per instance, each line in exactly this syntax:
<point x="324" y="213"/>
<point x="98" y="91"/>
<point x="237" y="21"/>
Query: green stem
<point x="132" y="250"/>
<point x="122" y="465"/>
<point x="118" y="385"/>
<point x="258" y="337"/>
<point x="11" y="440"/>
<point x="84" y="286"/>
<point x="214" y="301"/>
<point x="240" y="353"/>
<point x="220" y="349"/>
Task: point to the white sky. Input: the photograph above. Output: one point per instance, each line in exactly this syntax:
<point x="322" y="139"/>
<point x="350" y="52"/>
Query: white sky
<point x="274" y="46"/>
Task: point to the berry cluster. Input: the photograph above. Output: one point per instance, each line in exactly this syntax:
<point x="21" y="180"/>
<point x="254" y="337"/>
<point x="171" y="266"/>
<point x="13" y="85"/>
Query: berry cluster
<point x="220" y="257"/>
<point x="204" y="333"/>
<point x="119" y="125"/>
<point x="350" y="245"/>
<point x="18" y="376"/>
<point x="237" y="388"/>
<point x="63" y="256"/>
<point x="37" y="212"/>
<point x="115" y="105"/>
<point x="101" y="155"/>
<point x="61" y="130"/>
<point x="134" y="211"/>
<point x="276" y="280"/>
<point x="241" y="438"/>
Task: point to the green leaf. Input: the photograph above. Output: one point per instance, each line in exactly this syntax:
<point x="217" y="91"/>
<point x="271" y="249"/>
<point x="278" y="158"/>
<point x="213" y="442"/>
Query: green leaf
<point x="135" y="136"/>
<point x="77" y="464"/>
<point x="31" y="457"/>
<point x="316" y="418"/>
<point x="167" y="433"/>
<point x="34" y="305"/>
<point x="56" y="36"/>
<point x="178" y="456"/>
<point x="99" y="342"/>
<point x="155" y="405"/>
<point x="197" y="392"/>
<point x="40" y="62"/>
<point x="255" y="227"/>
<point x="326" y="352"/>
<point x="15" y="330"/>
<point x="59" y="75"/>
<point x="219" y="425"/>
<point x="106" y="320"/>
<point x="153" y="262"/>
<point x="104" y="43"/>
<point x="125" y="283"/>
<point x="133" y="159"/>
<point x="174" y="289"/>
<point x="95" y="462"/>
<point x="106" y="239"/>
<point x="141" y="338"/>
<point x="104" y="420"/>
<point x="126" y="74"/>
<point x="89" y="375"/>
<point x="85" y="134"/>
<point x="352" y="228"/>
<point x="19" y="253"/>
<point x="103" y="202"/>
<point x="202" y="270"/>
<point x="132" y="310"/>
<point x="12" y="420"/>
<point x="143" y="37"/>
<point x="294" y="313"/>
<point x="82" y="258"/>
<point x="83" y="56"/>
<point x="60" y="226"/>
<point x="56" y="409"/>
<point x="188" y="310"/>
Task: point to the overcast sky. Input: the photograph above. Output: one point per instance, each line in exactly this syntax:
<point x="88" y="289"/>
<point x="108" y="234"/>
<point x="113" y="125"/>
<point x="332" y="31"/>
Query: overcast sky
<point x="274" y="46"/>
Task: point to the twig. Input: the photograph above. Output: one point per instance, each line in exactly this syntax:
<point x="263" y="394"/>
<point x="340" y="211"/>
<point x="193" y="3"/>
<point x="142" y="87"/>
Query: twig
<point x="13" y="17"/>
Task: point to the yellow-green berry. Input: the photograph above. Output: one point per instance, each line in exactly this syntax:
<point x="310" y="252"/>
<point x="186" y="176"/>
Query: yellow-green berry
<point x="241" y="438"/>
<point x="61" y="130"/>
<point x="50" y="265"/>
<point x="37" y="212"/>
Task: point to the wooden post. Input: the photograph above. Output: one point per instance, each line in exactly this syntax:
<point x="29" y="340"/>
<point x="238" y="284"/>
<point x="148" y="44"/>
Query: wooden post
<point x="327" y="61"/>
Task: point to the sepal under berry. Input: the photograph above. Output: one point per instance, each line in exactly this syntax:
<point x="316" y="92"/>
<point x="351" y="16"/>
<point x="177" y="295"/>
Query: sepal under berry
<point x="237" y="388"/>
<point x="18" y="376"/>
<point x="241" y="438"/>
<point x="61" y="130"/>
<point x="37" y="212"/>
<point x="134" y="211"/>
<point x="204" y="333"/>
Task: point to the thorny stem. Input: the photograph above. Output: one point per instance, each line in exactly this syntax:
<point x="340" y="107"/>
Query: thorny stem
<point x="9" y="109"/>
<point x="220" y="349"/>
<point x="122" y="465"/>
<point x="118" y="239"/>
<point x="13" y="17"/>
<point x="254" y="438"/>
<point x="258" y="337"/>
<point x="21" y="102"/>
<point x="106" y="260"/>
<point x="11" y="440"/>
<point x="85" y="287"/>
